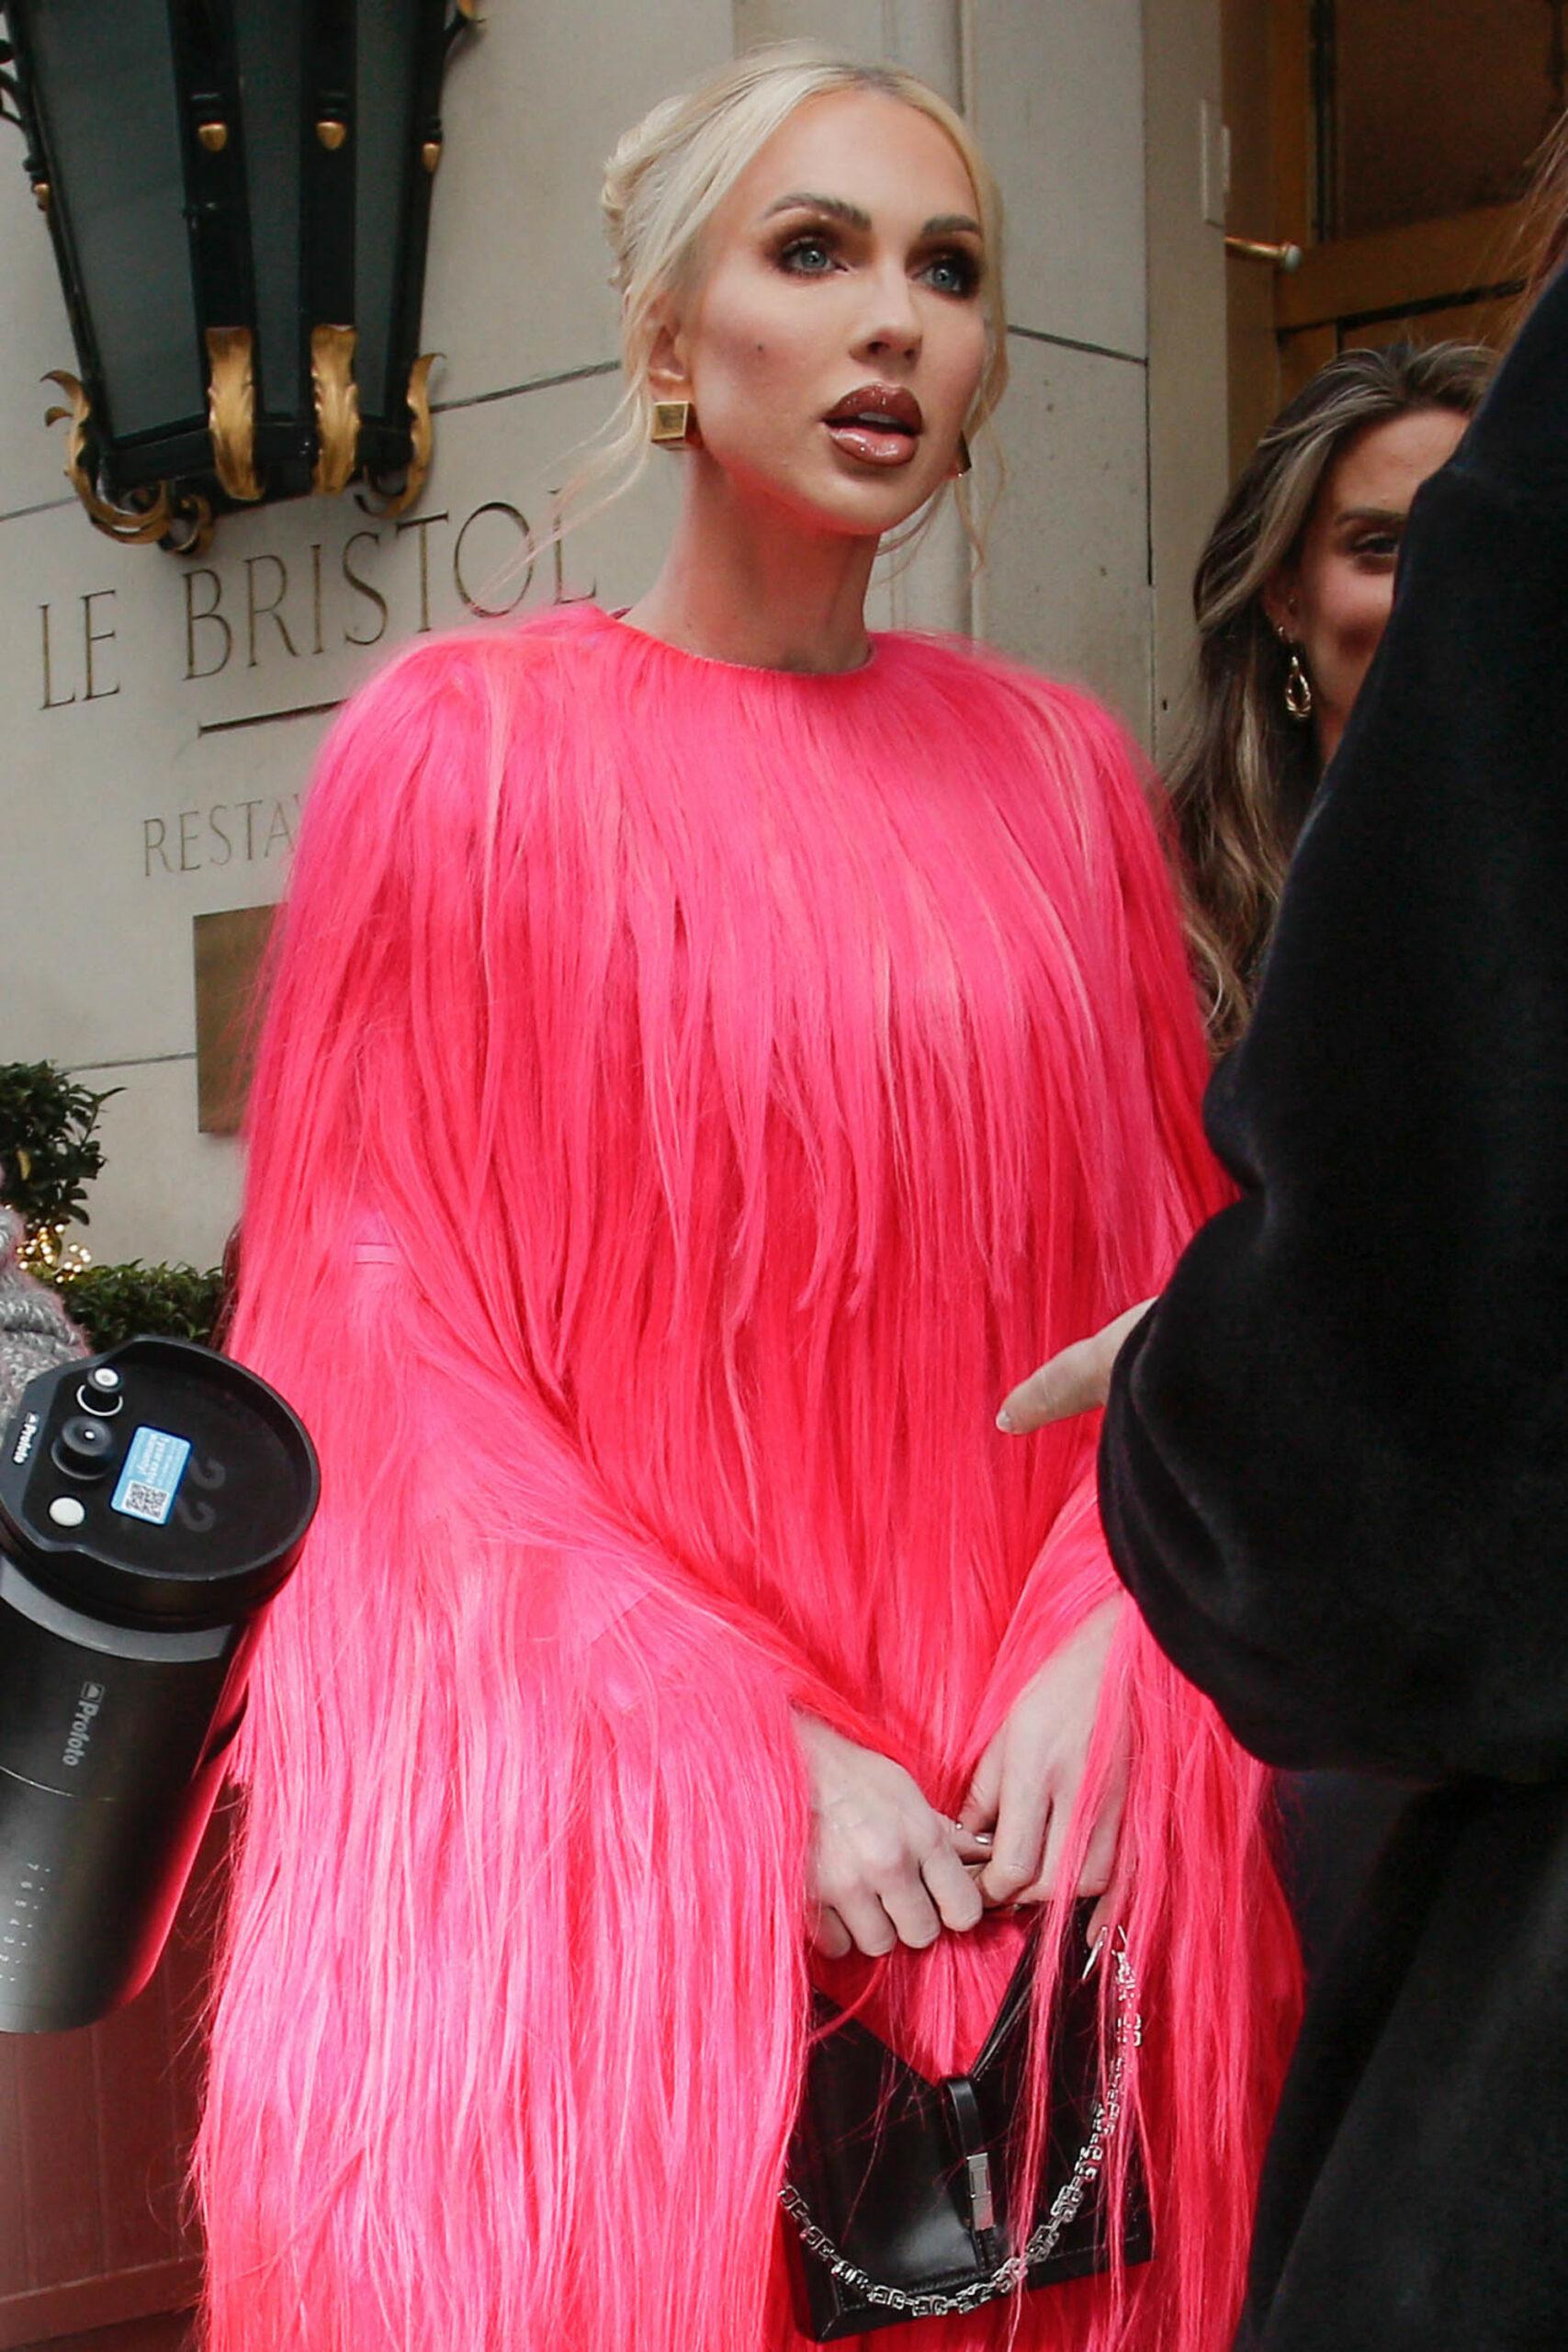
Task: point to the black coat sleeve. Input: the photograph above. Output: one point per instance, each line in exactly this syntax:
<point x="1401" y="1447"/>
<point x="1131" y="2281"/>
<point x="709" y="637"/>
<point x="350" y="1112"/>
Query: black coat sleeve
<point x="1335" y="1464"/>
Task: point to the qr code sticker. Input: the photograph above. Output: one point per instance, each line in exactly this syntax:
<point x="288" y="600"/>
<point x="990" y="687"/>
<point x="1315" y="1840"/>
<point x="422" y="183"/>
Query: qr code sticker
<point x="149" y="1477"/>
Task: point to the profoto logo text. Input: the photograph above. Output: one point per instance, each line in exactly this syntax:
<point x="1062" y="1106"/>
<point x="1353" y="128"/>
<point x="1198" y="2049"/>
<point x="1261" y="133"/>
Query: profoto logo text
<point x="88" y="1706"/>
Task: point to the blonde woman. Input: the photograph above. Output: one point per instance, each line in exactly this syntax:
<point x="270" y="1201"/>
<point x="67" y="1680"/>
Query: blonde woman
<point x="717" y="1038"/>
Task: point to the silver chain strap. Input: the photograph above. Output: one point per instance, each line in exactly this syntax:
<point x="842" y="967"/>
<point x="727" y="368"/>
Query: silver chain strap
<point x="1043" y="2240"/>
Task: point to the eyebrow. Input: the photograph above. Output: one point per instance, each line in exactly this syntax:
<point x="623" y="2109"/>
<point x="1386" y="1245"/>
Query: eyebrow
<point x="1372" y="515"/>
<point x="943" y="224"/>
<point x="833" y="205"/>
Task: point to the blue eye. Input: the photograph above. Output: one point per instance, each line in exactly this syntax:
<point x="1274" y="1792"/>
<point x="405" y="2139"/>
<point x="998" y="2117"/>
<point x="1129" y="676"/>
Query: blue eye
<point x="955" y="273"/>
<point x="807" y="257"/>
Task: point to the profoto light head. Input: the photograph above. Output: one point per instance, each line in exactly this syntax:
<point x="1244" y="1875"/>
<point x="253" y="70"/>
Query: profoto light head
<point x="153" y="1500"/>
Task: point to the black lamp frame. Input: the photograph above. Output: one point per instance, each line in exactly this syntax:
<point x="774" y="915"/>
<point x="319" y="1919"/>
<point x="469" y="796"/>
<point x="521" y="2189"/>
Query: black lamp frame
<point x="166" y="483"/>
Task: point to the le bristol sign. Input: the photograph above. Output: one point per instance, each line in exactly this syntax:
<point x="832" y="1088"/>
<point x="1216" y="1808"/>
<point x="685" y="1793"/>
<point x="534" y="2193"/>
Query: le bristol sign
<point x="283" y="631"/>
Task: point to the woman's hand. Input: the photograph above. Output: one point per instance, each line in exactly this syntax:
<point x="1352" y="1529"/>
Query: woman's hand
<point x="886" y="1867"/>
<point x="1075" y="1380"/>
<point x="1026" y="1787"/>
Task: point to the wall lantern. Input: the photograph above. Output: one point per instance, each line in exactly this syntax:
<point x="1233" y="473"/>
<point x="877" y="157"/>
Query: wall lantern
<point x="239" y="196"/>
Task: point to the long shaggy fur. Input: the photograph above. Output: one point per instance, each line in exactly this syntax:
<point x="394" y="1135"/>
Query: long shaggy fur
<point x="688" y="1098"/>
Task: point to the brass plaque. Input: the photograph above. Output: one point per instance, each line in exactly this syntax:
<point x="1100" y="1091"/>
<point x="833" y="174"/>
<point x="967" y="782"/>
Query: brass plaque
<point x="229" y="954"/>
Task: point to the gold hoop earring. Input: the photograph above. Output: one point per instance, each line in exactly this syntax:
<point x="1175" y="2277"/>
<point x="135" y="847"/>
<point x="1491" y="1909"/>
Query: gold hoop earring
<point x="1298" y="687"/>
<point x="962" y="462"/>
<point x="674" y="424"/>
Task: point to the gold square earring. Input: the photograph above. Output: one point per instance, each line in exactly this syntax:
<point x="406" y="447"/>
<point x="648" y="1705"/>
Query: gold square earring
<point x="674" y="425"/>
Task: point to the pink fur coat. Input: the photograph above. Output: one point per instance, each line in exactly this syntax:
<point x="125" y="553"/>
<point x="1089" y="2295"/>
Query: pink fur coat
<point x="690" y="1096"/>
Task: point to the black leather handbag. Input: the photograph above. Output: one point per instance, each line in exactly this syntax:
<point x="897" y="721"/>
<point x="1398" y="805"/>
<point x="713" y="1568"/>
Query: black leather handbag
<point x="896" y="2190"/>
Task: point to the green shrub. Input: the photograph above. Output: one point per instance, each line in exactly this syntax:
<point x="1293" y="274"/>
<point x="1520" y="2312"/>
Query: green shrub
<point x="114" y="1303"/>
<point x="47" y="1153"/>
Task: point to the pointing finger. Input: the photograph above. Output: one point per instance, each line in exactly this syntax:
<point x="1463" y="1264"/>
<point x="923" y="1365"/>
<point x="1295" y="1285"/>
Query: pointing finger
<point x="1076" y="1380"/>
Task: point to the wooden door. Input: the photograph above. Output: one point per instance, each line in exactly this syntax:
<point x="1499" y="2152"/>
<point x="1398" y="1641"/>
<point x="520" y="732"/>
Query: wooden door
<point x="1456" y="278"/>
<point x="1367" y="134"/>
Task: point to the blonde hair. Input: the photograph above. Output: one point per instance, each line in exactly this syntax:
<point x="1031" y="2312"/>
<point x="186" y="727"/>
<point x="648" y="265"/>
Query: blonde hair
<point x="1543" y="239"/>
<point x="669" y="174"/>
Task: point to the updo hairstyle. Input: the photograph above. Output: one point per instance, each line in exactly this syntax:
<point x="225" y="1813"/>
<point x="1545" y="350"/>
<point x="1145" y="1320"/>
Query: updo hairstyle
<point x="669" y="174"/>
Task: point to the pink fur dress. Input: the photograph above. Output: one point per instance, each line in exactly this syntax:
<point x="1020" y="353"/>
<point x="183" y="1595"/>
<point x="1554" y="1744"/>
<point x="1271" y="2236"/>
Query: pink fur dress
<point x="690" y="1096"/>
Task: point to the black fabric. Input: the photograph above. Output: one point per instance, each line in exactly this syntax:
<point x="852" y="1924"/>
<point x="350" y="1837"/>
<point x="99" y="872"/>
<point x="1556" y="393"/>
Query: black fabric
<point x="1333" y="1827"/>
<point x="1334" y="1465"/>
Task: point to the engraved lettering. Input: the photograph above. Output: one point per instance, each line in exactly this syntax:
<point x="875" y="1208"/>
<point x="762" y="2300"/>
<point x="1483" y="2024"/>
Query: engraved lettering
<point x="562" y="595"/>
<point x="501" y="573"/>
<point x="280" y="830"/>
<point x="51" y="701"/>
<point x="207" y="616"/>
<point x="421" y="523"/>
<point x="186" y="819"/>
<point x="215" y="826"/>
<point x="95" y="637"/>
<point x="316" y="592"/>
<point x="371" y="595"/>
<point x="255" y="612"/>
<point x="153" y="831"/>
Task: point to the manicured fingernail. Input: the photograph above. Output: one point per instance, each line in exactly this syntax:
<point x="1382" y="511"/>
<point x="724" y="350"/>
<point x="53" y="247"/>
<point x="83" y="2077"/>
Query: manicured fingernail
<point x="1004" y="1420"/>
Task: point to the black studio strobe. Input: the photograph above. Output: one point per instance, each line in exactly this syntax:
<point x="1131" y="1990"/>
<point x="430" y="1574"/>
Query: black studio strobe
<point x="153" y="1500"/>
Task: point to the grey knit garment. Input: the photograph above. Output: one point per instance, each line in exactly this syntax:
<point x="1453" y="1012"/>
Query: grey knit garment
<point x="36" y="1333"/>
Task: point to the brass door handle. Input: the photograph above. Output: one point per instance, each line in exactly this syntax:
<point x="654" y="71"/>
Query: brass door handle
<point x="1285" y="257"/>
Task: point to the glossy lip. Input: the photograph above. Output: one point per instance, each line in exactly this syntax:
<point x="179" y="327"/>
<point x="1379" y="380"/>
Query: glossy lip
<point x="876" y="424"/>
<point x="901" y="410"/>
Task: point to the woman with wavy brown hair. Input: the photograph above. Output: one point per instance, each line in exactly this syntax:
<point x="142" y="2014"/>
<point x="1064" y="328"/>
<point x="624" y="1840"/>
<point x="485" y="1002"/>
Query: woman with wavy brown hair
<point x="1292" y="594"/>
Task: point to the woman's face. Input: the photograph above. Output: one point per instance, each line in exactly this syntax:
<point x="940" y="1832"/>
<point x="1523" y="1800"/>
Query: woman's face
<point x="1334" y="601"/>
<point x="835" y="340"/>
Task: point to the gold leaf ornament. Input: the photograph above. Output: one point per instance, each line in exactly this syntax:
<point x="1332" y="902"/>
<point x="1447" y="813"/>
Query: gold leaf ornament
<point x="422" y="439"/>
<point x="131" y="525"/>
<point x="231" y="409"/>
<point x="337" y="408"/>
